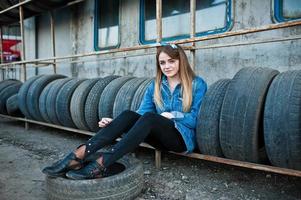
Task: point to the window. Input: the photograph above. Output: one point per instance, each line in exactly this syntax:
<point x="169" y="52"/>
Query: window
<point x="286" y="10"/>
<point x="106" y="30"/>
<point x="212" y="16"/>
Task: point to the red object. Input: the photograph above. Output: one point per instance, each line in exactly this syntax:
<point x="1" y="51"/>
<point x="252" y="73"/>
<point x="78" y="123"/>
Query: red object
<point x="11" y="50"/>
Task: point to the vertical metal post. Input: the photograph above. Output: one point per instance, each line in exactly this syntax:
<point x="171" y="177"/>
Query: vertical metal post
<point x="158" y="159"/>
<point x="159" y="19"/>
<point x="192" y="30"/>
<point x="23" y="47"/>
<point x="1" y="51"/>
<point x="53" y="40"/>
<point x="36" y="43"/>
<point x="21" y="13"/>
<point x="1" y="44"/>
<point x="159" y="39"/>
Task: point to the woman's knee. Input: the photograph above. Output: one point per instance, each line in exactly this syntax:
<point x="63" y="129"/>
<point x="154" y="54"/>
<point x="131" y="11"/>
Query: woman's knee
<point x="128" y="113"/>
<point x="150" y="117"/>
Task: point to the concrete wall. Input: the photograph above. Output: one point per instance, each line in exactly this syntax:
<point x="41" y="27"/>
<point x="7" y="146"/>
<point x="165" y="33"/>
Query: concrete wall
<point x="74" y="31"/>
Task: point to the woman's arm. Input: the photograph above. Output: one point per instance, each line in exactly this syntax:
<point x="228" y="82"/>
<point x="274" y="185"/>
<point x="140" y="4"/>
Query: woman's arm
<point x="147" y="104"/>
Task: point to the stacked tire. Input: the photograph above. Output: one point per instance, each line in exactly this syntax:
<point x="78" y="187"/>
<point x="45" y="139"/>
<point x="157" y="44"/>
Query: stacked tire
<point x="8" y="91"/>
<point x="79" y="103"/>
<point x="282" y="120"/>
<point x="209" y="116"/>
<point x="30" y="93"/>
<point x="92" y="101"/>
<point x="76" y="103"/>
<point x="254" y="117"/>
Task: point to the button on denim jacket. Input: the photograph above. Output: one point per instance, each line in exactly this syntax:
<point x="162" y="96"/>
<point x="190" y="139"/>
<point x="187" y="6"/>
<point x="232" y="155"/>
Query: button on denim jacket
<point x="185" y="122"/>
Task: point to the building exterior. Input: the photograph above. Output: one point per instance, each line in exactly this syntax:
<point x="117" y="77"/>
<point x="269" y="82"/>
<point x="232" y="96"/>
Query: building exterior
<point x="95" y="25"/>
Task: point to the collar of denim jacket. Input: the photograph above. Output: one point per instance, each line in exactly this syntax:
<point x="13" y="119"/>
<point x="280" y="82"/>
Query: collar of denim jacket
<point x="164" y="80"/>
<point x="165" y="84"/>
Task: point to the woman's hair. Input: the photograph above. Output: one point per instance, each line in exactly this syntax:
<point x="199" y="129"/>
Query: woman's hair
<point x="186" y="75"/>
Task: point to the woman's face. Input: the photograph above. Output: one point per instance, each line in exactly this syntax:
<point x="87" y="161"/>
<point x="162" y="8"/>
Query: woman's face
<point x="168" y="65"/>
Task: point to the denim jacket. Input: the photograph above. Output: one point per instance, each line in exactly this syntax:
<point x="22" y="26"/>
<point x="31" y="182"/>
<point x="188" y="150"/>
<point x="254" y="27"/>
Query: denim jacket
<point x="185" y="122"/>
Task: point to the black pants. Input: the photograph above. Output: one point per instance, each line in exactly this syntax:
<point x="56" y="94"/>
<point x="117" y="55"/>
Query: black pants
<point x="152" y="128"/>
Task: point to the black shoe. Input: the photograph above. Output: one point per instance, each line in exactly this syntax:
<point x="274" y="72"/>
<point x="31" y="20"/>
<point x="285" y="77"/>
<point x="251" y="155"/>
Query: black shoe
<point x="90" y="171"/>
<point x="62" y="166"/>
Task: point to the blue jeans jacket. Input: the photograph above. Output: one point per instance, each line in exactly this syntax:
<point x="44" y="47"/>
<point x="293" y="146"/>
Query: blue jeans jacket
<point x="185" y="122"/>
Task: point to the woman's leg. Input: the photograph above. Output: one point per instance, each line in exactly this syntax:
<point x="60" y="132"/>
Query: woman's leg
<point x="157" y="127"/>
<point x="103" y="137"/>
<point x="109" y="134"/>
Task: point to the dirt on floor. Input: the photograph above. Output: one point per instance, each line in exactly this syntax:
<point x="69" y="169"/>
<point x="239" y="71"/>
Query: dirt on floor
<point x="23" y="153"/>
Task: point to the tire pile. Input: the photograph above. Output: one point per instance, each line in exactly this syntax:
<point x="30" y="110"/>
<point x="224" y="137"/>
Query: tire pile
<point x="254" y="117"/>
<point x="78" y="103"/>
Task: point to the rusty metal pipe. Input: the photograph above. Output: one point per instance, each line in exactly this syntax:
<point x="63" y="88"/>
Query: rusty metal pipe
<point x="271" y="40"/>
<point x="23" y="40"/>
<point x="190" y="40"/>
<point x="241" y="32"/>
<point x="159" y="20"/>
<point x="1" y="51"/>
<point x="1" y="44"/>
<point x="192" y="30"/>
<point x="15" y="6"/>
<point x="52" y="40"/>
<point x="266" y="168"/>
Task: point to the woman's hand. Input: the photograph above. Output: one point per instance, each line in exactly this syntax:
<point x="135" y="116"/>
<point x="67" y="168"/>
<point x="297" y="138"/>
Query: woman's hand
<point x="167" y="115"/>
<point x="104" y="122"/>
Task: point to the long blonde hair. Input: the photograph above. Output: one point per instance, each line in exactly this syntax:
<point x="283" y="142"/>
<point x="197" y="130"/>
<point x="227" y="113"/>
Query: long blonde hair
<point x="186" y="75"/>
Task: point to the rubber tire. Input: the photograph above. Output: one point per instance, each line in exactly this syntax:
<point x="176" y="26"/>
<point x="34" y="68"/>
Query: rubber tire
<point x="13" y="107"/>
<point x="22" y="95"/>
<point x="282" y="120"/>
<point x="139" y="94"/>
<point x="51" y="99"/>
<point x="107" y="98"/>
<point x="125" y="185"/>
<point x="125" y="95"/>
<point x="42" y="102"/>
<point x="77" y="104"/>
<point x="7" y="82"/>
<point x="241" y="123"/>
<point x="62" y="104"/>
<point x="91" y="105"/>
<point x="207" y="130"/>
<point x="34" y="91"/>
<point x="6" y="93"/>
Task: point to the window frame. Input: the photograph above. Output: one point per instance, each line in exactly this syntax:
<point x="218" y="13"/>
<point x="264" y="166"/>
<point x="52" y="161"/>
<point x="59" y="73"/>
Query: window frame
<point x="96" y="19"/>
<point x="229" y="23"/>
<point x="278" y="10"/>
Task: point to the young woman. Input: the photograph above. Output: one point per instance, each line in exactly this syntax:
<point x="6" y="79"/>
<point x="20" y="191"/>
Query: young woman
<point x="166" y="119"/>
